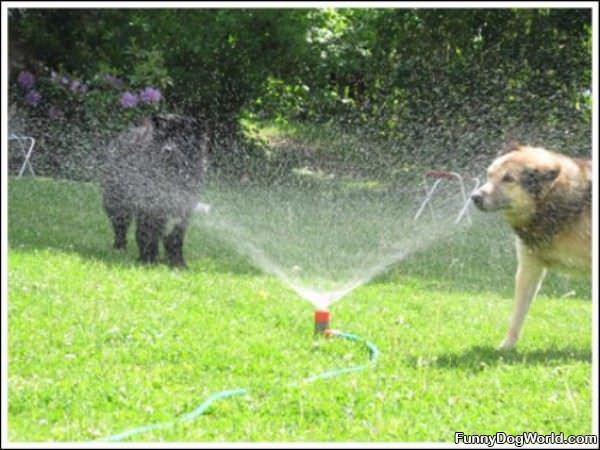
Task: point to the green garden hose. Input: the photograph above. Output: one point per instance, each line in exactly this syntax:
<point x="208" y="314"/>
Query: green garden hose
<point x="373" y="356"/>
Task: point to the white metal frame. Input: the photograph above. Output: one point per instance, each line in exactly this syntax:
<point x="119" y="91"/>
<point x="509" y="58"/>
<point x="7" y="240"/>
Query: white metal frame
<point x="440" y="176"/>
<point x="24" y="142"/>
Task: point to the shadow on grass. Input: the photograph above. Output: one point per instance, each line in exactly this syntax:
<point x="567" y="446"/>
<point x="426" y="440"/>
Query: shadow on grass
<point x="66" y="216"/>
<point x="219" y="260"/>
<point x="479" y="358"/>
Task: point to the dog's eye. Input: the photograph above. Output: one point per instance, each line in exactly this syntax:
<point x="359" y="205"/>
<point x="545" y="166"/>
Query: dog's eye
<point x="508" y="178"/>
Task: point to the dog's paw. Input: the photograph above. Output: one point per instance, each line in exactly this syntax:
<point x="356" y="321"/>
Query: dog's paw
<point x="508" y="343"/>
<point x="147" y="261"/>
<point x="177" y="263"/>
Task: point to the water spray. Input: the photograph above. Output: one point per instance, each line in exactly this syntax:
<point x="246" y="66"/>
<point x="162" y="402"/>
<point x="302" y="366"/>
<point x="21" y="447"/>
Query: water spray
<point x="346" y="251"/>
<point x="202" y="208"/>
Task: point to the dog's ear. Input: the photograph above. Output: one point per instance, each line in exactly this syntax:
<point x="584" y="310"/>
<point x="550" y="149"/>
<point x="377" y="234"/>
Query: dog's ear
<point x="510" y="146"/>
<point x="160" y="120"/>
<point x="550" y="175"/>
<point x="534" y="180"/>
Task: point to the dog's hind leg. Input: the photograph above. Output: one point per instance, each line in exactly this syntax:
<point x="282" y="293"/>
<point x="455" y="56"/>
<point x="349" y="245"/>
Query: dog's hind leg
<point x="173" y="243"/>
<point x="529" y="277"/>
<point x="148" y="231"/>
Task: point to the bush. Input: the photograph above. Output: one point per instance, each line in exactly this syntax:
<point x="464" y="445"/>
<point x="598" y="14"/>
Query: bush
<point x="72" y="119"/>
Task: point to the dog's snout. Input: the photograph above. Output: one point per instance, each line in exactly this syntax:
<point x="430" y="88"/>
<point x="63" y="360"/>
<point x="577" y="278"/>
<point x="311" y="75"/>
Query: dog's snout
<point x="477" y="199"/>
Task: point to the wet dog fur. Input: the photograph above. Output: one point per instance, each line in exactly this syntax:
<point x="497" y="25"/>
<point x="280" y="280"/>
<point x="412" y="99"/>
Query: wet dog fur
<point x="153" y="173"/>
<point x="546" y="198"/>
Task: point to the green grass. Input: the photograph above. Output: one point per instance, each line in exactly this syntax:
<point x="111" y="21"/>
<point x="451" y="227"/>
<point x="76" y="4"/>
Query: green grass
<point x="99" y="344"/>
<point x="329" y="149"/>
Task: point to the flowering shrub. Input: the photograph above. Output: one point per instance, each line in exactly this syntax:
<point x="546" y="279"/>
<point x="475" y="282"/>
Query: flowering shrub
<point x="150" y="95"/>
<point x="33" y="97"/>
<point x="73" y="118"/>
<point x="26" y="80"/>
<point x="129" y="100"/>
<point x="64" y="90"/>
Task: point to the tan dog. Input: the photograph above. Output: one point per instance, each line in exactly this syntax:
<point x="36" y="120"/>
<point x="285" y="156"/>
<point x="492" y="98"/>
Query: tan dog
<point x="546" y="198"/>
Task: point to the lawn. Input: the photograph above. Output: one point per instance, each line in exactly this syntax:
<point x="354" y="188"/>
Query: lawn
<point x="99" y="344"/>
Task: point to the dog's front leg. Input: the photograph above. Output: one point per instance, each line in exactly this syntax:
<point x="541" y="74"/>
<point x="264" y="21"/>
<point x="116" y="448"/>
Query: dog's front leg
<point x="529" y="277"/>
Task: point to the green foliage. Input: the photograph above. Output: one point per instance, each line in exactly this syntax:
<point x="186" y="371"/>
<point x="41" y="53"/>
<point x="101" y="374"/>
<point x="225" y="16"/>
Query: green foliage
<point x="74" y="120"/>
<point x="497" y="74"/>
<point x="149" y="68"/>
<point x="429" y="79"/>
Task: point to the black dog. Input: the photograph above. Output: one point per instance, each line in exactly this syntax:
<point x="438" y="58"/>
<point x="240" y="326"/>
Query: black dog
<point x="153" y="173"/>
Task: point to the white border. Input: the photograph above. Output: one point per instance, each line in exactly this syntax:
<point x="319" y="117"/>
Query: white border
<point x="595" y="220"/>
<point x="300" y="4"/>
<point x="303" y="4"/>
<point x="4" y="211"/>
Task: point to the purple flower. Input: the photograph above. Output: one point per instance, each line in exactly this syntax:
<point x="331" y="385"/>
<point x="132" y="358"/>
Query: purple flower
<point x="26" y="80"/>
<point x="150" y="95"/>
<point x="55" y="113"/>
<point x="33" y="97"/>
<point x="129" y="100"/>
<point x="113" y="81"/>
<point x="77" y="87"/>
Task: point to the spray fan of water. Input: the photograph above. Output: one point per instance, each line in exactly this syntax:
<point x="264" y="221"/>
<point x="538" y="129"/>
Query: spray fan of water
<point x="324" y="239"/>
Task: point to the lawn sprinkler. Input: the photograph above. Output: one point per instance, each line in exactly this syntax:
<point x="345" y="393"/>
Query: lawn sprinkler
<point x="321" y="329"/>
<point x="202" y="208"/>
<point x="322" y="323"/>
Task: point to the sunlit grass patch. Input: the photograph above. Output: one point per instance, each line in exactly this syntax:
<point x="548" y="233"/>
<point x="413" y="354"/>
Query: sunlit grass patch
<point x="99" y="344"/>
